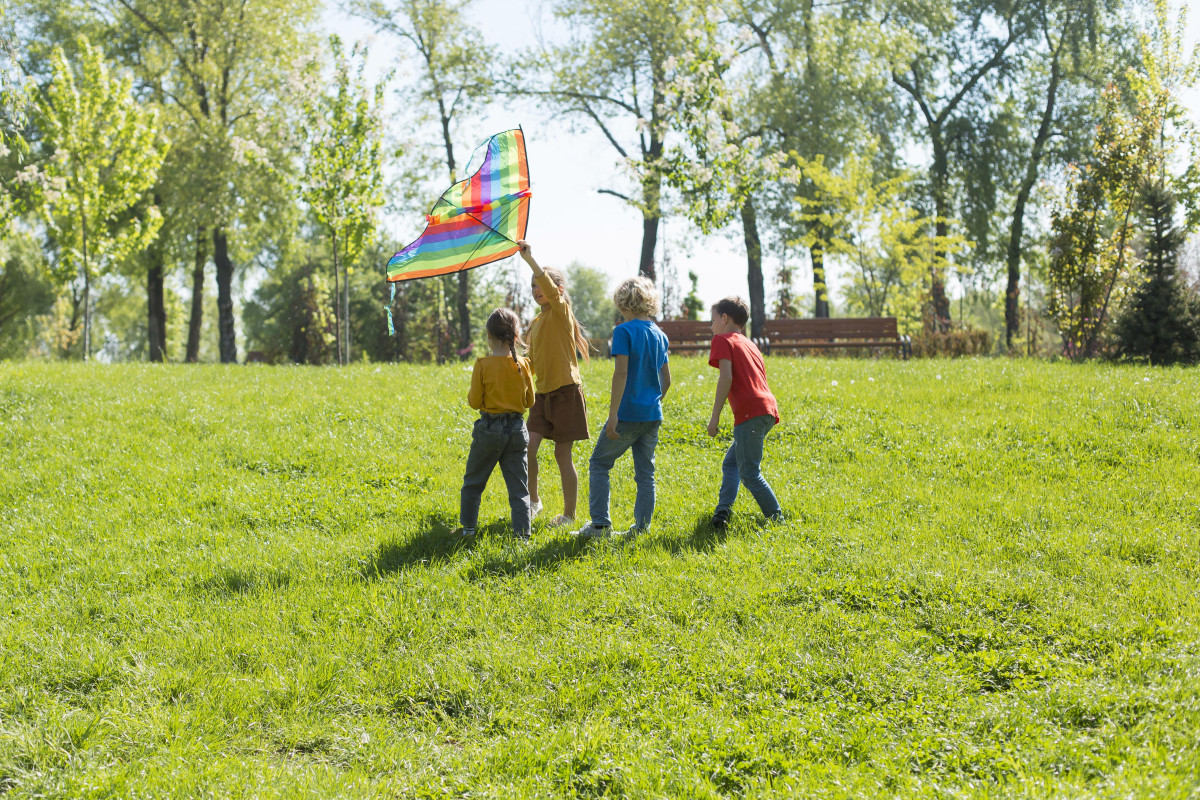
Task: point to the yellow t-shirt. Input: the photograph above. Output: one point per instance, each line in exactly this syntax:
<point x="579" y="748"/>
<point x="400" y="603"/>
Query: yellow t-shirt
<point x="552" y="342"/>
<point x="497" y="386"/>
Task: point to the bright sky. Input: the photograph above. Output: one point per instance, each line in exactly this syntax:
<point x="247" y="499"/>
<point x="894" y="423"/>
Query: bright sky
<point x="569" y="220"/>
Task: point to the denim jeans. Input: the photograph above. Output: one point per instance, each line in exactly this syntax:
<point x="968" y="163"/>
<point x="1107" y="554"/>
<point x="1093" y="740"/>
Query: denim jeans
<point x="743" y="464"/>
<point x="642" y="437"/>
<point x="497" y="439"/>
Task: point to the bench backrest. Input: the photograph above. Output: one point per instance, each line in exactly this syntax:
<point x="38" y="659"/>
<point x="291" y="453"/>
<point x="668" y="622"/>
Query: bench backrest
<point x="686" y="330"/>
<point x="835" y="328"/>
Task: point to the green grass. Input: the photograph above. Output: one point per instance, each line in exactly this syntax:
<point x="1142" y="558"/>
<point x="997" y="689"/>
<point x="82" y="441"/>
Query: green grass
<point x="238" y="582"/>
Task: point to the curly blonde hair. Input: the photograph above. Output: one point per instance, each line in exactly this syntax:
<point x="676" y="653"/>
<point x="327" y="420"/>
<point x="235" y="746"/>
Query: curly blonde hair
<point x="638" y="296"/>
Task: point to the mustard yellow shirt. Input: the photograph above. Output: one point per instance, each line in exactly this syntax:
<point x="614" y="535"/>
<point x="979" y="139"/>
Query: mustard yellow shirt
<point x="552" y="342"/>
<point x="498" y="387"/>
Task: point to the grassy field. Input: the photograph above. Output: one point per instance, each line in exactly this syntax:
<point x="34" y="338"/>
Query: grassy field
<point x="238" y="582"/>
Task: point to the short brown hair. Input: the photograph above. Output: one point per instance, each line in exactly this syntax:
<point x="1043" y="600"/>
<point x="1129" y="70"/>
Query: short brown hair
<point x="735" y="307"/>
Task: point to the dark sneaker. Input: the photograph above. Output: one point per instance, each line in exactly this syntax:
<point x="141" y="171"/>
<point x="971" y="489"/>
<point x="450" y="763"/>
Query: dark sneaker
<point x="720" y="520"/>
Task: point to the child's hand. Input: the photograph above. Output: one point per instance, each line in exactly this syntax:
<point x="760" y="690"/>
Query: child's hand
<point x="610" y="429"/>
<point x="713" y="424"/>
<point x="526" y="250"/>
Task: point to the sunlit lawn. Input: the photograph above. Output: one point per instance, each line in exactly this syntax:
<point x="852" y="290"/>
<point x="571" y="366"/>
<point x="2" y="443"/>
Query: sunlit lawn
<point x="239" y="582"/>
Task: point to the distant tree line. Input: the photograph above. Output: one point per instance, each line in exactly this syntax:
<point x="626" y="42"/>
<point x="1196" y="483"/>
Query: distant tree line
<point x="1026" y="160"/>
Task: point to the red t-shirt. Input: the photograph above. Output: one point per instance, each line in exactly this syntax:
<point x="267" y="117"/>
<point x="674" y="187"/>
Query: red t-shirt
<point x="749" y="396"/>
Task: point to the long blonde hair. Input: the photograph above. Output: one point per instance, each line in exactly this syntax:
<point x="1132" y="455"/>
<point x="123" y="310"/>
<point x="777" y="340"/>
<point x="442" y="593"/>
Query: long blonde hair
<point x="582" y="344"/>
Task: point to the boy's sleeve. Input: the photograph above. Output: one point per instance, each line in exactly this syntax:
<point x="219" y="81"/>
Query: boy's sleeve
<point x="720" y="350"/>
<point x="527" y="374"/>
<point x="620" y="341"/>
<point x="665" y="343"/>
<point x="475" y="393"/>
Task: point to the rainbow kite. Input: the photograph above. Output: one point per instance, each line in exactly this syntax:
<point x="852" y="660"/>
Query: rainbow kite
<point x="476" y="221"/>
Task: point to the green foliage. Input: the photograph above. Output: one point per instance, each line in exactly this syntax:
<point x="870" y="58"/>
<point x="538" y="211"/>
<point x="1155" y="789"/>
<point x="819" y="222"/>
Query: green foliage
<point x="27" y="291"/>
<point x="591" y="299"/>
<point x="343" y="164"/>
<point x="1092" y="231"/>
<point x="291" y="316"/>
<point x="892" y="249"/>
<point x="693" y="306"/>
<point x="975" y="594"/>
<point x="105" y="151"/>
<point x="1161" y="319"/>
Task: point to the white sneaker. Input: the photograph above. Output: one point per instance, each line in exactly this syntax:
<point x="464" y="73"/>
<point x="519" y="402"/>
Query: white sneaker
<point x="591" y="531"/>
<point x="535" y="509"/>
<point x="560" y="520"/>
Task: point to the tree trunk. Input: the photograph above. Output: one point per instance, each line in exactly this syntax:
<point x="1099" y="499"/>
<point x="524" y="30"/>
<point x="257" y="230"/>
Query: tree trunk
<point x="754" y="273"/>
<point x="337" y="304"/>
<point x="820" y="287"/>
<point x="649" y="243"/>
<point x="87" y="296"/>
<point x="1012" y="296"/>
<point x="197" y="316"/>
<point x="941" y="183"/>
<point x="227" y="335"/>
<point x="156" y="322"/>
<point x="464" y="311"/>
<point x="346" y="306"/>
<point x="651" y="194"/>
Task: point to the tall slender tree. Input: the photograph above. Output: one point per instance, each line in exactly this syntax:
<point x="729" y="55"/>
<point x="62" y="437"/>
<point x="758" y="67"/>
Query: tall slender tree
<point x="106" y="152"/>
<point x="454" y="79"/>
<point x="343" y="167"/>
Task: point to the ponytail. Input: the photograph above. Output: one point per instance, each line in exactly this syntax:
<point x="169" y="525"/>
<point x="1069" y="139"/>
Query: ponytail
<point x="504" y="326"/>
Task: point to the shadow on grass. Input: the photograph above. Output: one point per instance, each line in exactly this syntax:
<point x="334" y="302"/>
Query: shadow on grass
<point x="522" y="558"/>
<point x="435" y="541"/>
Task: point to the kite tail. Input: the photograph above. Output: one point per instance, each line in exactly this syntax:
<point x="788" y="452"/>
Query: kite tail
<point x="388" y="309"/>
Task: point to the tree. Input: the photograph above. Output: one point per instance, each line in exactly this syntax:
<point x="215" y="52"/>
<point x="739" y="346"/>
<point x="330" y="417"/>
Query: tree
<point x="591" y="300"/>
<point x="1090" y="247"/>
<point x="222" y="67"/>
<point x="454" y="78"/>
<point x="613" y="72"/>
<point x="106" y="155"/>
<point x="1161" y="319"/>
<point x="943" y="52"/>
<point x="343" y="169"/>
<point x="894" y="252"/>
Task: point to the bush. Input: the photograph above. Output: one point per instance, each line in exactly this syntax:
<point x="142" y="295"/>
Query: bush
<point x="953" y="343"/>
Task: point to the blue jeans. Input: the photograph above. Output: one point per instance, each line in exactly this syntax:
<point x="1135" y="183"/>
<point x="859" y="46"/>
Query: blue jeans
<point x="743" y="464"/>
<point x="497" y="439"/>
<point x="642" y="437"/>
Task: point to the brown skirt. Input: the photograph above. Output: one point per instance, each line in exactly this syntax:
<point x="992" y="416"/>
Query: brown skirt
<point x="560" y="415"/>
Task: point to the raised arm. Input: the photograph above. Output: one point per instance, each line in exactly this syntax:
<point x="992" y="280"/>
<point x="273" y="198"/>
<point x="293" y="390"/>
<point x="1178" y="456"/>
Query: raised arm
<point x="527" y="253"/>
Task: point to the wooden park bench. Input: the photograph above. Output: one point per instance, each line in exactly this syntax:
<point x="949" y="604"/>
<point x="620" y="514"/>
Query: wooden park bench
<point x="829" y="333"/>
<point x="686" y="335"/>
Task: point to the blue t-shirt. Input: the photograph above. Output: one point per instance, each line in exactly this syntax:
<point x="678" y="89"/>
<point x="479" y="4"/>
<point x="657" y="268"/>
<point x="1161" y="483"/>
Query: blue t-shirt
<point x="646" y="346"/>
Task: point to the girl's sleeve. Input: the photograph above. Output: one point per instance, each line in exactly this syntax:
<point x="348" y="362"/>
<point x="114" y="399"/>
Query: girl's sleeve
<point x="557" y="304"/>
<point x="527" y="374"/>
<point x="475" y="394"/>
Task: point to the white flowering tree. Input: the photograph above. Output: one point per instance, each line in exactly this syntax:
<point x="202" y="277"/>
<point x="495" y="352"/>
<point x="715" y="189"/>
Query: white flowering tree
<point x="15" y="99"/>
<point x="105" y="155"/>
<point x="343" y="166"/>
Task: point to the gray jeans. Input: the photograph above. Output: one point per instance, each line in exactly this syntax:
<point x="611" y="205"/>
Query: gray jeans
<point x="497" y="439"/>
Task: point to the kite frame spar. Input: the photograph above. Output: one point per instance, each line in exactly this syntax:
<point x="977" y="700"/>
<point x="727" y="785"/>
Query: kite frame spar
<point x="472" y="215"/>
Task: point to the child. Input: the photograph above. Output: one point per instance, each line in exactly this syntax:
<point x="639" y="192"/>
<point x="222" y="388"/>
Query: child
<point x="559" y="411"/>
<point x="743" y="380"/>
<point x="501" y="388"/>
<point x="640" y="381"/>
